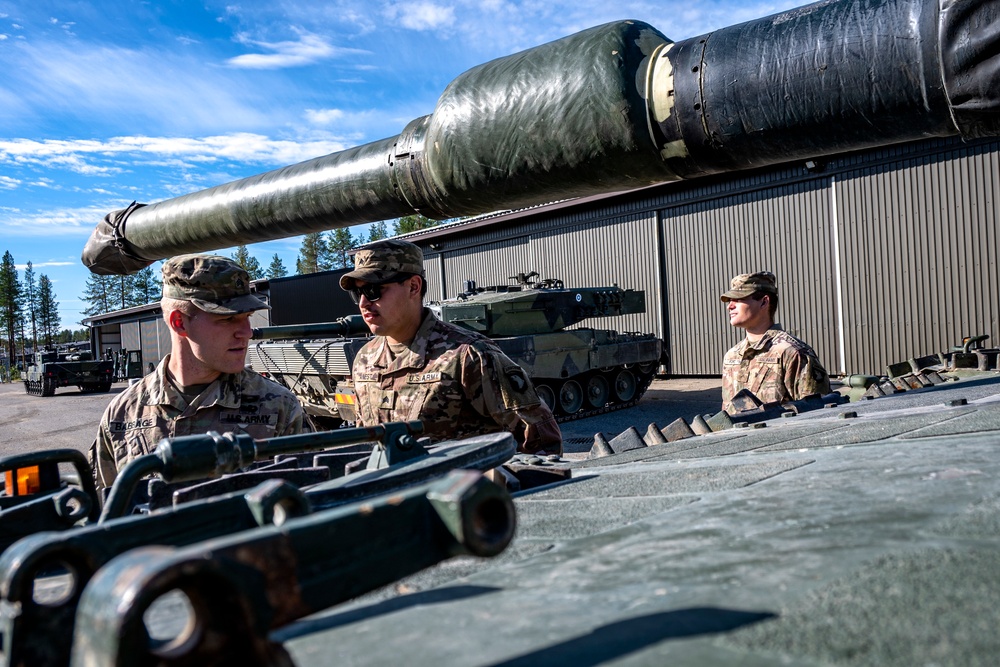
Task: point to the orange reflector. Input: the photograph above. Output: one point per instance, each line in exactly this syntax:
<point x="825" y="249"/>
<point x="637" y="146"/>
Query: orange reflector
<point x="28" y="481"/>
<point x="344" y="398"/>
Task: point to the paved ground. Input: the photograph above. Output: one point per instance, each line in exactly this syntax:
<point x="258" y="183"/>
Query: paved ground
<point x="69" y="418"/>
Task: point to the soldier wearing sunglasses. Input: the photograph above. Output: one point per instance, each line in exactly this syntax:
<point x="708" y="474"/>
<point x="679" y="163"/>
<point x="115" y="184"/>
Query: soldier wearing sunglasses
<point x="457" y="382"/>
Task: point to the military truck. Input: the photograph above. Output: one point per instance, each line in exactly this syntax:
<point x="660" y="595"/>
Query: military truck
<point x="51" y="369"/>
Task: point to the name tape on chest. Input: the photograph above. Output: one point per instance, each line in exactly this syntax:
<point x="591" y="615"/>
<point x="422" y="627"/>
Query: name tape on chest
<point x="122" y="427"/>
<point x="423" y="378"/>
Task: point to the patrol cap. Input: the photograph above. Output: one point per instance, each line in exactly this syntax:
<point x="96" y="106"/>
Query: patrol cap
<point x="215" y="284"/>
<point x="746" y="284"/>
<point x="382" y="261"/>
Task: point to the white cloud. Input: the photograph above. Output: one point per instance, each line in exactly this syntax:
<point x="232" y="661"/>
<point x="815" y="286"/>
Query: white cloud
<point x="421" y="15"/>
<point x="323" y="116"/>
<point x="8" y="183"/>
<point x="59" y="221"/>
<point x="309" y="49"/>
<point x="112" y="86"/>
<point x="42" y="265"/>
<point x="93" y="157"/>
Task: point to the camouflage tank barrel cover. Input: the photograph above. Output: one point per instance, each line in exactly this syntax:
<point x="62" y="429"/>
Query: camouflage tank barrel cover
<point x="631" y="108"/>
<point x="577" y="372"/>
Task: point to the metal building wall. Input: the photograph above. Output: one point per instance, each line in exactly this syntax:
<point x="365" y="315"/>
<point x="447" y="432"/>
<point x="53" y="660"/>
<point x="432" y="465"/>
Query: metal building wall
<point x="919" y="246"/>
<point x="130" y="339"/>
<point x="432" y="271"/>
<point x="784" y="229"/>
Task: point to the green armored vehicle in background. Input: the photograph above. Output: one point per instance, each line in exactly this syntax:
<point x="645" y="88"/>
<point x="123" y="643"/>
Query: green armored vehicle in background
<point x="577" y="372"/>
<point x="51" y="369"/>
<point x="312" y="361"/>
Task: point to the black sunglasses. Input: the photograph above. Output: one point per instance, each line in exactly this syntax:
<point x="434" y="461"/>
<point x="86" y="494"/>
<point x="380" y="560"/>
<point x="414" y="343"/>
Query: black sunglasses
<point x="372" y="292"/>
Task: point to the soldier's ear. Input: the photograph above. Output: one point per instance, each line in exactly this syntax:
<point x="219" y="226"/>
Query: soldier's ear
<point x="176" y="320"/>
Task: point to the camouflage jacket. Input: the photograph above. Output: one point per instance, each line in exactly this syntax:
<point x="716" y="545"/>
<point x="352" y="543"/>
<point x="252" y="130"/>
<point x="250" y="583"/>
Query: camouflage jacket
<point x="777" y="368"/>
<point x="457" y="382"/>
<point x="138" y="418"/>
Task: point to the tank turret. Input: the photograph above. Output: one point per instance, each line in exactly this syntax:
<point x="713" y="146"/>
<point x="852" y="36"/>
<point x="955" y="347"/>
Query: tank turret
<point x="578" y="372"/>
<point x="613" y="108"/>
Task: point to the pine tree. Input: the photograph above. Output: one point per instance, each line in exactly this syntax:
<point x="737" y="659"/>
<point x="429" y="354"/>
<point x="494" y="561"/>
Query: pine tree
<point x="276" y="269"/>
<point x="31" y="303"/>
<point x="340" y="242"/>
<point x="313" y="254"/>
<point x="411" y="223"/>
<point x="98" y="292"/>
<point x="144" y="288"/>
<point x="378" y="231"/>
<point x="48" y="311"/>
<point x="249" y="263"/>
<point x="10" y="304"/>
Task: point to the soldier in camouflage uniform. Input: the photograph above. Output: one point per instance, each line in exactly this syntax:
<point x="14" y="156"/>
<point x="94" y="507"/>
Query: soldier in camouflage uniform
<point x="202" y="385"/>
<point x="773" y="364"/>
<point x="457" y="382"/>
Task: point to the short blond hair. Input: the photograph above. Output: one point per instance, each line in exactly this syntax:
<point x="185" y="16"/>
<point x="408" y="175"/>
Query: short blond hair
<point x="168" y="305"/>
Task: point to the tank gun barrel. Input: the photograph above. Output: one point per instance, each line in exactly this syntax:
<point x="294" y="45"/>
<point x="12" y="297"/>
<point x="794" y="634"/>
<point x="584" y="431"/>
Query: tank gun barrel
<point x="612" y="108"/>
<point x="344" y="326"/>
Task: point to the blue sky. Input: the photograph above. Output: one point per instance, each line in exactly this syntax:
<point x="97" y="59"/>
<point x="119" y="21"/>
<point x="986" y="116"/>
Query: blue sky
<point x="102" y="103"/>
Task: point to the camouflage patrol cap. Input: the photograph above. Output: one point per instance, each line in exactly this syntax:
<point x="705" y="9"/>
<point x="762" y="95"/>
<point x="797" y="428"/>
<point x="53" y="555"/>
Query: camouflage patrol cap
<point x="382" y="261"/>
<point x="746" y="284"/>
<point x="215" y="284"/>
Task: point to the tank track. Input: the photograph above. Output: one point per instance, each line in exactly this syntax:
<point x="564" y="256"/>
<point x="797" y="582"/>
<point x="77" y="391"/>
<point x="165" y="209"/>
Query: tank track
<point x="643" y="380"/>
<point x="39" y="388"/>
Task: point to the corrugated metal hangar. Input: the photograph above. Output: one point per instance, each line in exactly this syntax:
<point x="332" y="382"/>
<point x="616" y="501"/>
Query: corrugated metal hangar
<point x="881" y="255"/>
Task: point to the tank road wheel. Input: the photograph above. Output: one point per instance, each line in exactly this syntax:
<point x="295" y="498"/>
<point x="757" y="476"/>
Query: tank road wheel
<point x="48" y="387"/>
<point x="27" y="387"/>
<point x="570" y="397"/>
<point x="625" y="386"/>
<point x="597" y="391"/>
<point x="544" y="392"/>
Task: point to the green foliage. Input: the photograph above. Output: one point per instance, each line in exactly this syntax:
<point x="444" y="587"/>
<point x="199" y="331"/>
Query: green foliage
<point x="276" y="269"/>
<point x="378" y="231"/>
<point x="78" y="336"/>
<point x="98" y="292"/>
<point x="48" y="311"/>
<point x="339" y="244"/>
<point x="412" y="223"/>
<point x="31" y="306"/>
<point x="313" y="254"/>
<point x="11" y="303"/>
<point x="144" y="287"/>
<point x="249" y="263"/>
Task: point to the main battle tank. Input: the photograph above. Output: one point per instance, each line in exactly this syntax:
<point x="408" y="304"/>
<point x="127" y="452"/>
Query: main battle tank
<point x="577" y="372"/>
<point x="836" y="536"/>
